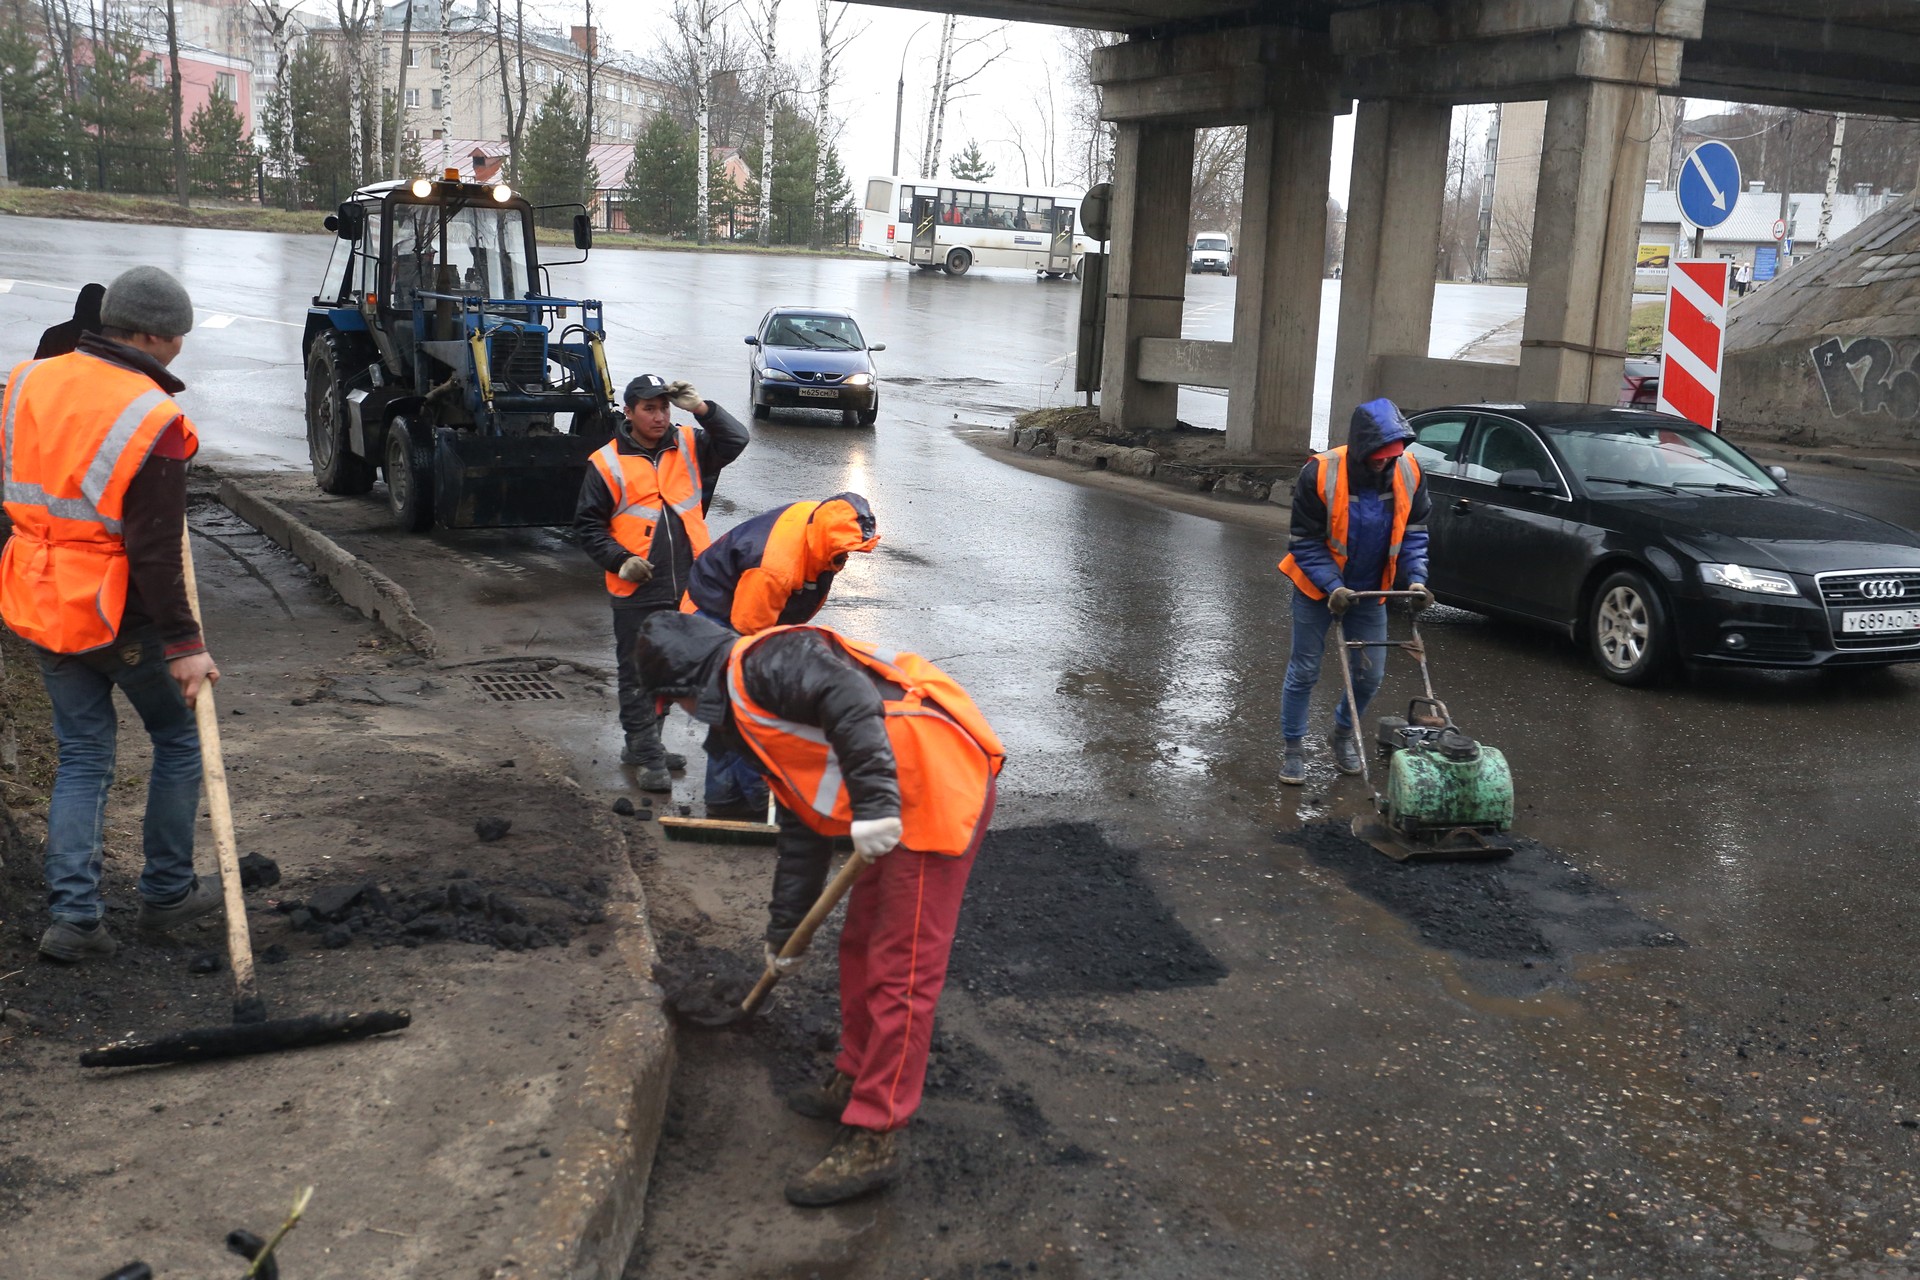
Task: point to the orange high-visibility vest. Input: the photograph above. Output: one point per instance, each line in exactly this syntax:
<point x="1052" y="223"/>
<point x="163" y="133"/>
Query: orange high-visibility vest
<point x="74" y="432"/>
<point x="640" y="490"/>
<point x="943" y="749"/>
<point x="1333" y="491"/>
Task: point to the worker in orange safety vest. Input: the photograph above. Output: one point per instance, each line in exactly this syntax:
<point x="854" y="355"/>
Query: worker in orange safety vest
<point x="889" y="750"/>
<point x="93" y="473"/>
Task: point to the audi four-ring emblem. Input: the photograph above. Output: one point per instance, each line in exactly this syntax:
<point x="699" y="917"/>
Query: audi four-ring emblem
<point x="1883" y="588"/>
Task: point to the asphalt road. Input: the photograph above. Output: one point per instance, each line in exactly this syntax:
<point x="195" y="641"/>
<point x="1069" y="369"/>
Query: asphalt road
<point x="1676" y="1043"/>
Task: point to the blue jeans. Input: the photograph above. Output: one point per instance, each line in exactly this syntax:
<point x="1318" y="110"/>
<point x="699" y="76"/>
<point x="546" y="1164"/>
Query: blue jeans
<point x="734" y="779"/>
<point x="1366" y="620"/>
<point x="80" y="686"/>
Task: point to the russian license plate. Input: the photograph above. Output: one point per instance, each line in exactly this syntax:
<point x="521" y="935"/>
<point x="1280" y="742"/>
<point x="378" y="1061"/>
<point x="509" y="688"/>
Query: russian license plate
<point x="821" y="393"/>
<point x="1872" y="621"/>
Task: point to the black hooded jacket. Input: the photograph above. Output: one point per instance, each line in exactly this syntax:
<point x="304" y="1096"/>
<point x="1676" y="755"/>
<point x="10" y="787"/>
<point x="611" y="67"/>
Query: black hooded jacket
<point x="798" y="676"/>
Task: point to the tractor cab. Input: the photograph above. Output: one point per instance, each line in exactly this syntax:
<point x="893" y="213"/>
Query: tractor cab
<point x="437" y="357"/>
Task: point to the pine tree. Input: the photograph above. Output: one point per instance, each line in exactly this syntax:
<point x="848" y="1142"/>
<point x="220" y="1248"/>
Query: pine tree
<point x="38" y="134"/>
<point x="130" y="121"/>
<point x="970" y="165"/>
<point x="223" y="162"/>
<point x="795" y="151"/>
<point x="318" y="90"/>
<point x="556" y="168"/>
<point x="661" y="188"/>
<point x="835" y="193"/>
<point x="724" y="196"/>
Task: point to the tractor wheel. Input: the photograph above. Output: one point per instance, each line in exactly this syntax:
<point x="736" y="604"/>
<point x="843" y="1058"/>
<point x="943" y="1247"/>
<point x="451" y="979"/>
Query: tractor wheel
<point x="409" y="477"/>
<point x="335" y="466"/>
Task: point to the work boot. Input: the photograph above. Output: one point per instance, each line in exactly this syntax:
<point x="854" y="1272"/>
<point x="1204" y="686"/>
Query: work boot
<point x="823" y="1101"/>
<point x="71" y="943"/>
<point x="1293" y="763"/>
<point x="861" y="1160"/>
<point x="655" y="778"/>
<point x="643" y="747"/>
<point x="198" y="901"/>
<point x="1346" y="751"/>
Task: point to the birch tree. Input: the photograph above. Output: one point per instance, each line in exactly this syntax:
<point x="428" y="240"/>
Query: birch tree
<point x="513" y="76"/>
<point x="765" y="27"/>
<point x="276" y="19"/>
<point x="400" y="91"/>
<point x="835" y="36"/>
<point x="446" y="77"/>
<point x="948" y="77"/>
<point x="353" y="16"/>
<point x="696" y="19"/>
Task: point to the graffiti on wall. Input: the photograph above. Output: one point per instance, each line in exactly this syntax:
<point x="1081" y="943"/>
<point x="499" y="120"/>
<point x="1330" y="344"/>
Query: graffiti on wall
<point x="1864" y="375"/>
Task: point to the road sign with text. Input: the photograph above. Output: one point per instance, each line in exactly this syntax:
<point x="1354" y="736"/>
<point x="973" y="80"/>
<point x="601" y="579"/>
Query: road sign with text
<point x="1695" y="341"/>
<point x="1709" y="184"/>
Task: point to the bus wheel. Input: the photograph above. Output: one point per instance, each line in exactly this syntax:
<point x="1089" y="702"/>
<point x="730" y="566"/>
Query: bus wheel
<point x="958" y="262"/>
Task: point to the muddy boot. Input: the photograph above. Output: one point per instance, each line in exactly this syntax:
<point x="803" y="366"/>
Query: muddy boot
<point x="643" y="748"/>
<point x="823" y="1101"/>
<point x="71" y="943"/>
<point x="1293" y="763"/>
<point x="655" y="778"/>
<point x="204" y="898"/>
<point x="862" y="1160"/>
<point x="1346" y="751"/>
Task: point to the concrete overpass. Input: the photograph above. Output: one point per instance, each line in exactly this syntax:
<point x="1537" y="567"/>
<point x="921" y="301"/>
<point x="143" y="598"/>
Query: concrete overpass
<point x="1285" y="68"/>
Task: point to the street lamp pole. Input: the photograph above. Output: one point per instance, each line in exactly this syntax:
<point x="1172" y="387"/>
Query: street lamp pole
<point x="900" y="96"/>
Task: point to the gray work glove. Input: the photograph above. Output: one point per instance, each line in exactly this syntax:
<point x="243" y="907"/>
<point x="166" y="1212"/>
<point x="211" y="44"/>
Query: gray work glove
<point x="874" y="838"/>
<point x="683" y="396"/>
<point x="1422" y="598"/>
<point x="785" y="968"/>
<point x="636" y="570"/>
<point x="1340" y="600"/>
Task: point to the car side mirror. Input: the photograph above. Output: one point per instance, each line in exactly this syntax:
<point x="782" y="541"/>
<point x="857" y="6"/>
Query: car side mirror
<point x="582" y="232"/>
<point x="752" y="341"/>
<point x="1526" y="480"/>
<point x="350" y="223"/>
<point x="1778" y="473"/>
<point x="878" y="346"/>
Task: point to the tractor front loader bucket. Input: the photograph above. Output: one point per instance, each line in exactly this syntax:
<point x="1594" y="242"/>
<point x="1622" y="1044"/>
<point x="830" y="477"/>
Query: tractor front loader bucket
<point x="496" y="481"/>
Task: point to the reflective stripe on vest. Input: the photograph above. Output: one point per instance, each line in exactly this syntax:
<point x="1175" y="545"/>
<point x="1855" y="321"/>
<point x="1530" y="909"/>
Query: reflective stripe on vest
<point x="1333" y="490"/>
<point x="945" y="754"/>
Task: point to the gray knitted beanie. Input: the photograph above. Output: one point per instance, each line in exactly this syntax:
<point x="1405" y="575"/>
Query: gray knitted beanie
<point x="147" y="300"/>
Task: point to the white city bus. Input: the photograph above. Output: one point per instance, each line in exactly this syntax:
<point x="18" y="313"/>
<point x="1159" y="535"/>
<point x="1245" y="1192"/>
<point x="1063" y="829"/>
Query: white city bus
<point x="939" y="224"/>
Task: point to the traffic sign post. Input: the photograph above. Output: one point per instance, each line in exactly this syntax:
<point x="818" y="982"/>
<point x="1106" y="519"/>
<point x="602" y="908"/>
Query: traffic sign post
<point x="1694" y="342"/>
<point x="1709" y="188"/>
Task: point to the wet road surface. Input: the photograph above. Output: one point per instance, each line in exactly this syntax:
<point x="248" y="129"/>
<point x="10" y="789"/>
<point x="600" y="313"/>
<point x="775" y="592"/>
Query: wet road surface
<point x="1703" y="1067"/>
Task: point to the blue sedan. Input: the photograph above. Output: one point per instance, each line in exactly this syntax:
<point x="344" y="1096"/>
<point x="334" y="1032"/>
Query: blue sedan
<point x="810" y="358"/>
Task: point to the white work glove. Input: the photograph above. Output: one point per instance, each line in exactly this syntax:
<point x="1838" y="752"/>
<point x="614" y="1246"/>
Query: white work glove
<point x="683" y="396"/>
<point x="787" y="967"/>
<point x="636" y="569"/>
<point x="873" y="838"/>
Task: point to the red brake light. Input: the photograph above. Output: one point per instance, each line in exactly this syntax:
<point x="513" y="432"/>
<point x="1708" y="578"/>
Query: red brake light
<point x="889" y="231"/>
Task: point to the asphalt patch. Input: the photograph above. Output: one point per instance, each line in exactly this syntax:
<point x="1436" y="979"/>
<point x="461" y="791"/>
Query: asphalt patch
<point x="1058" y="910"/>
<point x="1534" y="908"/>
<point x="525" y="916"/>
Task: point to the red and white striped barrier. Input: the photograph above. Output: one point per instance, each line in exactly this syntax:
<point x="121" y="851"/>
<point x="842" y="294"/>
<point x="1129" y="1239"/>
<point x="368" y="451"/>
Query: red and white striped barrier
<point x="1696" y="339"/>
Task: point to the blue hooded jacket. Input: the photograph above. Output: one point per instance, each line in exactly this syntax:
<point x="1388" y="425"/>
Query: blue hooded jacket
<point x="1369" y="511"/>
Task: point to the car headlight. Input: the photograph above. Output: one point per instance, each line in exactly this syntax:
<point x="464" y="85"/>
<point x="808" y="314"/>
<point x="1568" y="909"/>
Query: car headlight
<point x="859" y="379"/>
<point x="777" y="375"/>
<point x="1759" y="581"/>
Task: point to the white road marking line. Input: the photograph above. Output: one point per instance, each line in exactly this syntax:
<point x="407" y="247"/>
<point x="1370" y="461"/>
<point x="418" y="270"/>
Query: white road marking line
<point x="217" y="321"/>
<point x="6" y="286"/>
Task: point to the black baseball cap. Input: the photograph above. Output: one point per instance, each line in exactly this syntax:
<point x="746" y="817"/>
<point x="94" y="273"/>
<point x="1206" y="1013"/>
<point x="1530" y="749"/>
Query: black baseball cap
<point x="648" y="386"/>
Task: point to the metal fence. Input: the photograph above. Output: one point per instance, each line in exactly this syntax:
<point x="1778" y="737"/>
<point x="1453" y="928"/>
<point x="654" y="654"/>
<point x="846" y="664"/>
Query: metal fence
<point x="122" y="169"/>
<point x="788" y="224"/>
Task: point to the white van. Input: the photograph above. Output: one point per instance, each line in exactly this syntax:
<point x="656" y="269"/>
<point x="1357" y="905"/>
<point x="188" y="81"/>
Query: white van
<point x="1212" y="251"/>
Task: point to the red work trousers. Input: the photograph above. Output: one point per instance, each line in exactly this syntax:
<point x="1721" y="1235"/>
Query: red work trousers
<point x="901" y="917"/>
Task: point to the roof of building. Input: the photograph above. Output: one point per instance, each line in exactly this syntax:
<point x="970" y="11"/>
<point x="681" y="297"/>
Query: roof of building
<point x="610" y="160"/>
<point x="1754" y="213"/>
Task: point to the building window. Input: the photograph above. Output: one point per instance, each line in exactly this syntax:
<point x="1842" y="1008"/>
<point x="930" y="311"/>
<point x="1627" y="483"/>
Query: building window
<point x="413" y="56"/>
<point x="227" y="85"/>
<point x="439" y="100"/>
<point x="413" y="97"/>
<point x="436" y="135"/>
<point x="540" y="72"/>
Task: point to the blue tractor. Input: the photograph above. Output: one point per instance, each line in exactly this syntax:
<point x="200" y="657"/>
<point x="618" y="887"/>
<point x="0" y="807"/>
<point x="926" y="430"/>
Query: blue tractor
<point x="436" y="355"/>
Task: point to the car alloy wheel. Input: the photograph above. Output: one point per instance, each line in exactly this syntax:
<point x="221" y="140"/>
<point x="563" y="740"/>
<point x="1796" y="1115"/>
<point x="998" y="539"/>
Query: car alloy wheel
<point x="1622" y="627"/>
<point x="1627" y="629"/>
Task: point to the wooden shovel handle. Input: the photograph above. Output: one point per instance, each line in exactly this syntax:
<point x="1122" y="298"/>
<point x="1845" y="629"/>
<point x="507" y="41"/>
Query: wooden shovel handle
<point x="220" y="809"/>
<point x="802" y="936"/>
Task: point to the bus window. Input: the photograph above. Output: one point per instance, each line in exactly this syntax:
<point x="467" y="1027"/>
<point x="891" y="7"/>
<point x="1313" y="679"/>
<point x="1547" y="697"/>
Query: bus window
<point x="906" y="203"/>
<point x="880" y="195"/>
<point x="1036" y="214"/>
<point x="1001" y="211"/>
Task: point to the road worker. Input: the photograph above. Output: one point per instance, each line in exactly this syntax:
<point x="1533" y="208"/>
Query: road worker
<point x="773" y="570"/>
<point x="1359" y="524"/>
<point x="642" y="518"/>
<point x="95" y="482"/>
<point x="889" y="750"/>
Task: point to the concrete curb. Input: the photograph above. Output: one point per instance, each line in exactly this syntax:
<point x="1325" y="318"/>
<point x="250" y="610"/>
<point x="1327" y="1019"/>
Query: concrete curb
<point x="372" y="592"/>
<point x="587" y="1224"/>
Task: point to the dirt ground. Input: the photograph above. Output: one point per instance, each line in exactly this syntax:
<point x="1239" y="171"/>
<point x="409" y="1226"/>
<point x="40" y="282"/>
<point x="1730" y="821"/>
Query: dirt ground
<point x="362" y="773"/>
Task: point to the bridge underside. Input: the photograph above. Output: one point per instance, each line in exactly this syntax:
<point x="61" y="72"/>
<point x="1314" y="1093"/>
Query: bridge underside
<point x="1285" y="68"/>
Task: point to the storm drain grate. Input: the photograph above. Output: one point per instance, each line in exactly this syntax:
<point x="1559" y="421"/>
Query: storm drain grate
<point x="516" y="687"/>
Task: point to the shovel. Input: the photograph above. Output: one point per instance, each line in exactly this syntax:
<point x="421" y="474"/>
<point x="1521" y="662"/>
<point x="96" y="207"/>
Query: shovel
<point x="716" y="1002"/>
<point x="252" y="1031"/>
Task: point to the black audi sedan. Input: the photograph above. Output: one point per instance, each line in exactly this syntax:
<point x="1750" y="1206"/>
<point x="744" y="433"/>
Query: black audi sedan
<point x="1654" y="542"/>
<point x="808" y="358"/>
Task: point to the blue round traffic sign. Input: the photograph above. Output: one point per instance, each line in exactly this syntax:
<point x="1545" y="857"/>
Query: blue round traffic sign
<point x="1709" y="184"/>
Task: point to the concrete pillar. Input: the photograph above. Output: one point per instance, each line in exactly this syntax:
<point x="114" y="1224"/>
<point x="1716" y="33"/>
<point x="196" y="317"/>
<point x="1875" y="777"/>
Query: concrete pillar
<point x="1394" y="205"/>
<point x="1147" y="274"/>
<point x="1586" y="226"/>
<point x="1276" y="312"/>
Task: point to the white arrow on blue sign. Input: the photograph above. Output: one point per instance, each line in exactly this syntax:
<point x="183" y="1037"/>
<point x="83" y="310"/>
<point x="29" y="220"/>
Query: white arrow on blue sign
<point x="1709" y="184"/>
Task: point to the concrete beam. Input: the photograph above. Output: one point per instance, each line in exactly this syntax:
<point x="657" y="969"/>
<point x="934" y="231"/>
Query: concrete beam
<point x="1586" y="221"/>
<point x="1147" y="273"/>
<point x="1186" y="362"/>
<point x="1217" y="77"/>
<point x="1395" y="199"/>
<point x="1520" y="69"/>
<point x="1420" y="382"/>
<point x="1414" y="24"/>
<point x="1803" y="62"/>
<point x="1276" y="310"/>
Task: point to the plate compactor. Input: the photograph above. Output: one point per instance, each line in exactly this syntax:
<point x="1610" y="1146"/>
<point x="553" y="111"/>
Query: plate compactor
<point x="1446" y="795"/>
